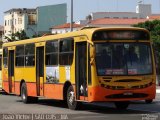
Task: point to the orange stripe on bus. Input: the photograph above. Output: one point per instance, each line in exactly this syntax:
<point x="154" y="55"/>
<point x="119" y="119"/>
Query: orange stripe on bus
<point x="17" y="88"/>
<point x="31" y="89"/>
<point x="6" y="86"/>
<point x="54" y="91"/>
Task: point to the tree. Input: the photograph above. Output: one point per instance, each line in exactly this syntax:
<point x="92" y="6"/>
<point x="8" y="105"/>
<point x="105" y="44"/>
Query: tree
<point x="17" y="36"/>
<point x="154" y="28"/>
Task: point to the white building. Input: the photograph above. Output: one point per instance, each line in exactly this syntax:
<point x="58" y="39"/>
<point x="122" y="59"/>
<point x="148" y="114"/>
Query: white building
<point x="15" y="20"/>
<point x="142" y="11"/>
<point x="35" y="22"/>
<point x="82" y="22"/>
<point x="65" y="28"/>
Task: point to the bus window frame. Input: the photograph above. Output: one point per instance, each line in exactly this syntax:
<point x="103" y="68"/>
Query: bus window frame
<point x="62" y="52"/>
<point x="152" y="63"/>
<point x="52" y="53"/>
<point x="18" y="56"/>
<point x="109" y="37"/>
<point x="5" y="57"/>
<point x="29" y="55"/>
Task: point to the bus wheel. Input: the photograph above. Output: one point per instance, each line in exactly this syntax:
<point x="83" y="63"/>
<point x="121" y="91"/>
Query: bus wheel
<point x="122" y="105"/>
<point x="24" y="95"/>
<point x="149" y="101"/>
<point x="71" y="102"/>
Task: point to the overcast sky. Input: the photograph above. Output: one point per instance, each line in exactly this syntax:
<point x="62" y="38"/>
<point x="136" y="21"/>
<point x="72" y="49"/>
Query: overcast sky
<point x="81" y="7"/>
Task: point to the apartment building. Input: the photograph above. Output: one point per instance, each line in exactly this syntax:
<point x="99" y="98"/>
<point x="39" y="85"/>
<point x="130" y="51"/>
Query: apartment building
<point x="34" y="21"/>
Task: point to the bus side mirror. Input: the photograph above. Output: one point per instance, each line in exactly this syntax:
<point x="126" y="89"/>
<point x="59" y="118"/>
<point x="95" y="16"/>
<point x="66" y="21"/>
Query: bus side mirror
<point x="92" y="54"/>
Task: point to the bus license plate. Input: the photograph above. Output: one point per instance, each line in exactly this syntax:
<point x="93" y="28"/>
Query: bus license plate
<point x="127" y="93"/>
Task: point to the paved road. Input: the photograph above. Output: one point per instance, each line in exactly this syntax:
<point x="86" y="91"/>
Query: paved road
<point x="11" y="107"/>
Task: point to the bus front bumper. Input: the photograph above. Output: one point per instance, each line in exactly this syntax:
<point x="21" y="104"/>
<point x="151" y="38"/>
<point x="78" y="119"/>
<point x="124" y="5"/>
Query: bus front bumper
<point x="100" y="94"/>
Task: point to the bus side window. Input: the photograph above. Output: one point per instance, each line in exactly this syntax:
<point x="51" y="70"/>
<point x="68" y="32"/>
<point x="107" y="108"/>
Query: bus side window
<point x="52" y="52"/>
<point x="66" y="51"/>
<point x="5" y="57"/>
<point x="20" y="55"/>
<point x="30" y="54"/>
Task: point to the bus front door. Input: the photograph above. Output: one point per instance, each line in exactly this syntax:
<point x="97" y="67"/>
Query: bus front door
<point x="11" y="71"/>
<point x="81" y="71"/>
<point x="40" y="70"/>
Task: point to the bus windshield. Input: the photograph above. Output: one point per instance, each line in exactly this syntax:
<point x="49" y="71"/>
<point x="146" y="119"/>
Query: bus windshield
<point x="123" y="59"/>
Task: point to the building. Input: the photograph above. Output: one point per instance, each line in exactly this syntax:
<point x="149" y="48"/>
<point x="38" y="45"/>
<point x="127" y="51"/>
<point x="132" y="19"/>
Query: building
<point x="82" y="22"/>
<point x="115" y="22"/>
<point x="49" y="16"/>
<point x="112" y="19"/>
<point x="142" y="11"/>
<point x="34" y="21"/>
<point x="19" y="19"/>
<point x="154" y="16"/>
<point x="122" y="19"/>
<point x="65" y="28"/>
<point x="1" y="32"/>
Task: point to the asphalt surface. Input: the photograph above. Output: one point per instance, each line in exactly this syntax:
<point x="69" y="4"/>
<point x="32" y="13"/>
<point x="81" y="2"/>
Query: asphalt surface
<point x="11" y="107"/>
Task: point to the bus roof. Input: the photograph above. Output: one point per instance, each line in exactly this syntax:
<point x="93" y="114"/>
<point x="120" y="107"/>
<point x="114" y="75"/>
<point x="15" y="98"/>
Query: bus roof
<point x="85" y="31"/>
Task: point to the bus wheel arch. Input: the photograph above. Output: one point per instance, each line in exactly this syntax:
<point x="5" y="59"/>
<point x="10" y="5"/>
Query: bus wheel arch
<point x="65" y="88"/>
<point x="72" y="103"/>
<point x="22" y="81"/>
<point x="24" y="94"/>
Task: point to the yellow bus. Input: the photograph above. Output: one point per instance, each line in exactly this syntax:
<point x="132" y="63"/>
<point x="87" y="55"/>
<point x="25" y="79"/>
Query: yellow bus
<point x="0" y="69"/>
<point x="90" y="65"/>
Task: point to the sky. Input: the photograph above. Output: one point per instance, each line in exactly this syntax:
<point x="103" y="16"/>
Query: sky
<point x="82" y="8"/>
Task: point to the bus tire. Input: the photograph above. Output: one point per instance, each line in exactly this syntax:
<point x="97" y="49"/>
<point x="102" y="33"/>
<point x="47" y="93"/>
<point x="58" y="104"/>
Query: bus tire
<point x="71" y="101"/>
<point x="122" y="105"/>
<point x="149" y="101"/>
<point x="24" y="94"/>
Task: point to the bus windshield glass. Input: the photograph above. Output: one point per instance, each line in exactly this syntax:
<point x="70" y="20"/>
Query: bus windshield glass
<point x="121" y="35"/>
<point x="123" y="59"/>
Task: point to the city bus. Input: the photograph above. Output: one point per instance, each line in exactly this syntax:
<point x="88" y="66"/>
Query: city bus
<point x="89" y="65"/>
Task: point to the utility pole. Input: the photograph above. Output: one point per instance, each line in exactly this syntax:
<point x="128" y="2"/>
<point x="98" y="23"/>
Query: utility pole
<point x="71" y="24"/>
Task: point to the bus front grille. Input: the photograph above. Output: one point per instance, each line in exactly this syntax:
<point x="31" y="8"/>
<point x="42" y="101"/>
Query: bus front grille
<point x="134" y="95"/>
<point x="128" y="80"/>
<point x="126" y="87"/>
